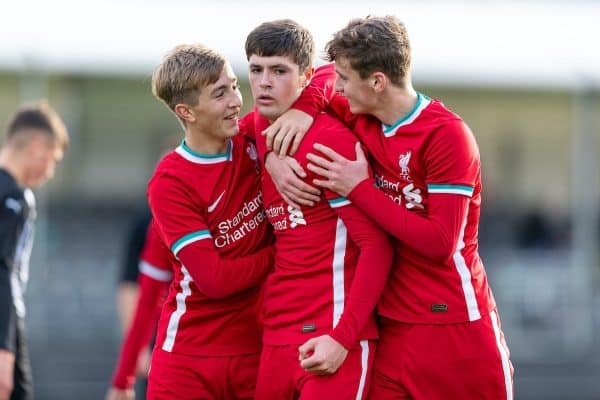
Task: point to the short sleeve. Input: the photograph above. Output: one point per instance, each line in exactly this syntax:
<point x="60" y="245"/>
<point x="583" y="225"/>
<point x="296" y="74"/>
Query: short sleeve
<point x="179" y="217"/>
<point x="452" y="160"/>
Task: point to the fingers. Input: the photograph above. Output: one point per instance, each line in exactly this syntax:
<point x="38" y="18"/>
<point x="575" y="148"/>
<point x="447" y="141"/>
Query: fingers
<point x="360" y="154"/>
<point x="284" y="131"/>
<point x="306" y="349"/>
<point x="324" y="184"/>
<point x="329" y="152"/>
<point x="318" y="170"/>
<point x="270" y="133"/>
<point x="296" y="144"/>
<point x="298" y="192"/>
<point x="285" y="144"/>
<point x="314" y="364"/>
<point x="296" y="167"/>
<point x="299" y="196"/>
<point x="320" y="161"/>
<point x="289" y="201"/>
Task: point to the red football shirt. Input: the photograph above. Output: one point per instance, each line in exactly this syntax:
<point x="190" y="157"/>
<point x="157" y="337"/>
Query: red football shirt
<point x="208" y="211"/>
<point x="427" y="195"/>
<point x="331" y="261"/>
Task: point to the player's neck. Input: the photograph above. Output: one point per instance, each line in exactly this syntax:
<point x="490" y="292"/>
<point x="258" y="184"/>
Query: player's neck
<point x="14" y="164"/>
<point x="395" y="103"/>
<point x="205" y="144"/>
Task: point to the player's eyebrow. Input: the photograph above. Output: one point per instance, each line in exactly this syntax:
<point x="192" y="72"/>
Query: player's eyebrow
<point x="278" y="66"/>
<point x="223" y="86"/>
<point x="218" y="88"/>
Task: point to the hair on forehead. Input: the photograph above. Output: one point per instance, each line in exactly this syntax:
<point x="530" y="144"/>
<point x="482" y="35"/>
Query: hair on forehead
<point x="373" y="44"/>
<point x="184" y="72"/>
<point x="283" y="37"/>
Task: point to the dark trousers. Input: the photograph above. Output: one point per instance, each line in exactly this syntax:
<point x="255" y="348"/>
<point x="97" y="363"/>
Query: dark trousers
<point x="23" y="381"/>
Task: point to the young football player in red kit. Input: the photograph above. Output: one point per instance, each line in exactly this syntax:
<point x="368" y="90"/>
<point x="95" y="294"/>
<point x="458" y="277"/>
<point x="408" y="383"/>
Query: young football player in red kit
<point x="440" y="334"/>
<point x="207" y="210"/>
<point x="331" y="261"/>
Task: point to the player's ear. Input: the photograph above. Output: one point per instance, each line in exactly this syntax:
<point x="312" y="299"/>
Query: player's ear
<point x="378" y="81"/>
<point x="307" y="76"/>
<point x="184" y="112"/>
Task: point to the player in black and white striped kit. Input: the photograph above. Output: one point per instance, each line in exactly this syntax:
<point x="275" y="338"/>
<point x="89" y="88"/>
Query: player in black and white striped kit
<point x="34" y="142"/>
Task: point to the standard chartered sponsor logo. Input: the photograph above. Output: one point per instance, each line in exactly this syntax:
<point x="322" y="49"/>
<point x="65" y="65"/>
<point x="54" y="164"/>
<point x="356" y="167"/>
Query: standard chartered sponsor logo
<point x="247" y="219"/>
<point x="279" y="221"/>
<point x="412" y="196"/>
<point x="275" y="213"/>
<point x="296" y="217"/>
<point x="409" y="195"/>
<point x="383" y="183"/>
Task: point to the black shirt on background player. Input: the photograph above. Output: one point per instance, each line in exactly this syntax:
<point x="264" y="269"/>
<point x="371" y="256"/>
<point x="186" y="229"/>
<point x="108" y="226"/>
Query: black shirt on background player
<point x="17" y="215"/>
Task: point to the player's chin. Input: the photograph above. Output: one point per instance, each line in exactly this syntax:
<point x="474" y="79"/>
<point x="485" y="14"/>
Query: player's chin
<point x="231" y="130"/>
<point x="269" y="112"/>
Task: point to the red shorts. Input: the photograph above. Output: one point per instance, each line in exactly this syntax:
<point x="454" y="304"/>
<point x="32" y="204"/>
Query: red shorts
<point x="178" y="377"/>
<point x="280" y="376"/>
<point x="440" y="362"/>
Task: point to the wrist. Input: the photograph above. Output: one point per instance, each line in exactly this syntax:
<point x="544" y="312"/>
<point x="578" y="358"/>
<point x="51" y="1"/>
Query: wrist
<point x="335" y="335"/>
<point x="363" y="185"/>
<point x="123" y="382"/>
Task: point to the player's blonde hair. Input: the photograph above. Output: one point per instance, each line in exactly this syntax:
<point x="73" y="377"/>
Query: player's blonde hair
<point x="373" y="44"/>
<point x="183" y="73"/>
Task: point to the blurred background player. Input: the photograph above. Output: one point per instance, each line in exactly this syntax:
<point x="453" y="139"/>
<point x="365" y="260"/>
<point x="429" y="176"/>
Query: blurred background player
<point x="440" y="331"/>
<point x="34" y="143"/>
<point x="128" y="287"/>
<point x="331" y="263"/>
<point x="155" y="274"/>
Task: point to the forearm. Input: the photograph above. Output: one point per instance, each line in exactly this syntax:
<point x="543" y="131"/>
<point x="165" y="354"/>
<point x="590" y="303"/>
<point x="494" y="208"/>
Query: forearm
<point x="318" y="93"/>
<point x="219" y="277"/>
<point x="140" y="331"/>
<point x="434" y="236"/>
<point x="370" y="276"/>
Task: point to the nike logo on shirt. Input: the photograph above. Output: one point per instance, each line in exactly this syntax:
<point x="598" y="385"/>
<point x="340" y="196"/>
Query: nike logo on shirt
<point x="212" y="207"/>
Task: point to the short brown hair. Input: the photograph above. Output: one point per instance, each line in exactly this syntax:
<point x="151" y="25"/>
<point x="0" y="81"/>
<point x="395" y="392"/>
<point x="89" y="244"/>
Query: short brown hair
<point x="373" y="44"/>
<point x="37" y="118"/>
<point x="184" y="71"/>
<point x="283" y="37"/>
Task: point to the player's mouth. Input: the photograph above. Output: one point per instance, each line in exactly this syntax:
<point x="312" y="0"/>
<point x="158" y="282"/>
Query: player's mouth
<point x="232" y="117"/>
<point x="265" y="100"/>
